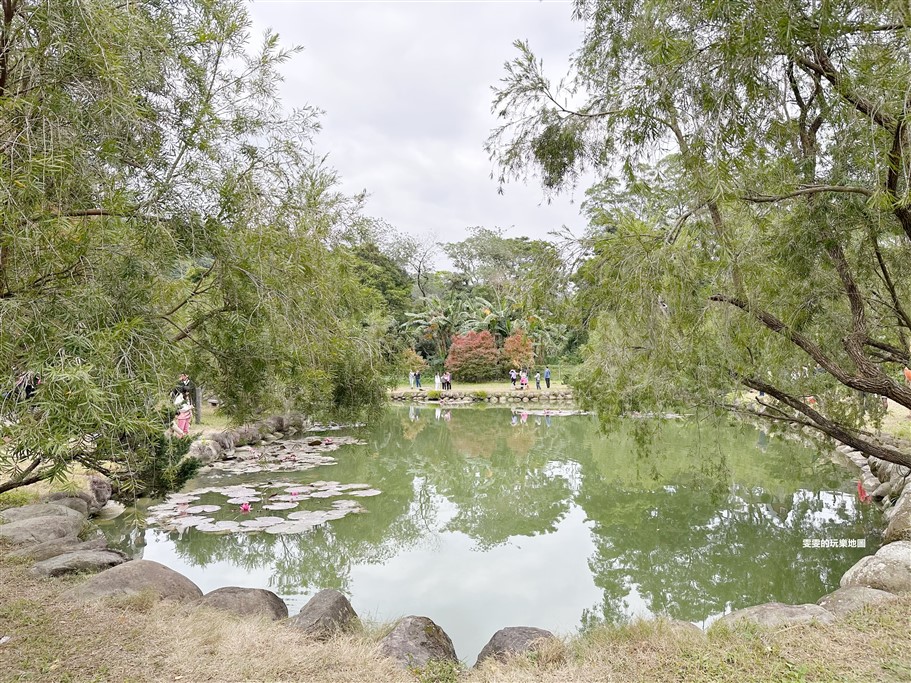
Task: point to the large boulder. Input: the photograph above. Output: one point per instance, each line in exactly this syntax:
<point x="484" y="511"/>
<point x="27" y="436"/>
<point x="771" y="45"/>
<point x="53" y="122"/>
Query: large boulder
<point x="899" y="528"/>
<point x="224" y="439"/>
<point x="888" y="570"/>
<point x="37" y="530"/>
<point x="205" y="450"/>
<point x="58" y="546"/>
<point x="852" y="598"/>
<point x="60" y="497"/>
<point x="135" y="578"/>
<point x="77" y="561"/>
<point x="37" y="510"/>
<point x="417" y="640"/>
<point x="101" y="490"/>
<point x="512" y="641"/>
<point x="247" y="602"/>
<point x="325" y="614"/>
<point x="774" y="614"/>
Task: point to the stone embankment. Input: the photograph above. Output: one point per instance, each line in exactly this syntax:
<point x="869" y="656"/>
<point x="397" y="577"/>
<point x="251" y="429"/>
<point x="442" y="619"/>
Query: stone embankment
<point x="480" y="396"/>
<point x="213" y="446"/>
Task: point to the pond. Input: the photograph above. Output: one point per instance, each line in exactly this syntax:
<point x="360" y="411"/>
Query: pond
<point x="487" y="518"/>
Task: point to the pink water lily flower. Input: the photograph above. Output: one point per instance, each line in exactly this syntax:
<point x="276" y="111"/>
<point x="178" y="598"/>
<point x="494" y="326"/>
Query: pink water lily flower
<point x="245" y="507"/>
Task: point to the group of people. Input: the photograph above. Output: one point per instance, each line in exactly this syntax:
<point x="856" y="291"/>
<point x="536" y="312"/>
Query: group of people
<point x="440" y="382"/>
<point x="521" y="378"/>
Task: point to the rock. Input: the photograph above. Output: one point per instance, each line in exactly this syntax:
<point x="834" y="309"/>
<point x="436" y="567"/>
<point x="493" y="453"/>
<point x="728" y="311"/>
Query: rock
<point x="247" y="602"/>
<point x="881" y="491"/>
<point x="81" y="495"/>
<point x="846" y="600"/>
<point x="325" y="614"/>
<point x="111" y="510"/>
<point x="101" y="489"/>
<point x="40" y="529"/>
<point x="58" y="546"/>
<point x="888" y="570"/>
<point x="40" y="510"/>
<point x="512" y="641"/>
<point x="76" y="504"/>
<point x="223" y="439"/>
<point x="276" y="423"/>
<point x="899" y="528"/>
<point x="415" y="641"/>
<point x="205" y="450"/>
<point x="774" y="614"/>
<point x="77" y="561"/>
<point x="876" y="465"/>
<point x="134" y="578"/>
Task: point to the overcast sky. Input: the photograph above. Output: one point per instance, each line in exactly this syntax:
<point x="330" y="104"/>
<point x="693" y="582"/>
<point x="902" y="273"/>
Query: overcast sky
<point x="405" y="86"/>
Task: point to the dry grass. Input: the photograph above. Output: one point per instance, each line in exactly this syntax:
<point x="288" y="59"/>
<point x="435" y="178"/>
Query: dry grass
<point x="897" y="421"/>
<point x="138" y="639"/>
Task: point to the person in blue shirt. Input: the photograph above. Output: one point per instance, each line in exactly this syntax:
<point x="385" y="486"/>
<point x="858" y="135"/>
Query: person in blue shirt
<point x="547" y="376"/>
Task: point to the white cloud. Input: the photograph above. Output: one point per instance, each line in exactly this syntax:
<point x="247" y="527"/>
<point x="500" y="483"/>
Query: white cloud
<point x="406" y="91"/>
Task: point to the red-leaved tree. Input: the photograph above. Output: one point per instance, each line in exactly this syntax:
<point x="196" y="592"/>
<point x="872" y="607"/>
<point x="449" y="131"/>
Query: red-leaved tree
<point x="473" y="357"/>
<point x="518" y="351"/>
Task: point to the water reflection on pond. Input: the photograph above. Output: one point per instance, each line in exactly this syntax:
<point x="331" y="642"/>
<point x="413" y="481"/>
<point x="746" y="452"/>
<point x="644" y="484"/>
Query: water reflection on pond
<point x="490" y="519"/>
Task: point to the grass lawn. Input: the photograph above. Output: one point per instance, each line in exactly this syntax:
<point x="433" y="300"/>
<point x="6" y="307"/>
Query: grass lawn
<point x="897" y="421"/>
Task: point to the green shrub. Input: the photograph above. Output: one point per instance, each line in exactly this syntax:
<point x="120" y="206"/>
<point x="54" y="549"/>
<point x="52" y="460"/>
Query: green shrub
<point x="434" y="395"/>
<point x="481" y="395"/>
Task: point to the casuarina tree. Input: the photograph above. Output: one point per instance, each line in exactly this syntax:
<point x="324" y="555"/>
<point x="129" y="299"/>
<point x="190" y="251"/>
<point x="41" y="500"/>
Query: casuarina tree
<point x="751" y="217"/>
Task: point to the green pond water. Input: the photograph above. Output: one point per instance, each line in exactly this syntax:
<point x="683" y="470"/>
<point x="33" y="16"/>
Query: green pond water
<point x="489" y="518"/>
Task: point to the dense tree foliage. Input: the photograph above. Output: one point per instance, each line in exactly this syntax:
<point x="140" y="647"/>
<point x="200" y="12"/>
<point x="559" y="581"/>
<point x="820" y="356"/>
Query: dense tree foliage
<point x="158" y="213"/>
<point x="518" y="351"/>
<point x="751" y="220"/>
<point x="474" y="357"/>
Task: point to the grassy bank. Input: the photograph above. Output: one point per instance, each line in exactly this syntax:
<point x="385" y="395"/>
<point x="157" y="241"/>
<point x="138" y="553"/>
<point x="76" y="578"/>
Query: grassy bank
<point x="141" y="640"/>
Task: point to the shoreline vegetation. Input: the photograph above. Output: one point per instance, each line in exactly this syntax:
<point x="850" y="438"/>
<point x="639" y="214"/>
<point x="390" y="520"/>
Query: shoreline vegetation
<point x="139" y="639"/>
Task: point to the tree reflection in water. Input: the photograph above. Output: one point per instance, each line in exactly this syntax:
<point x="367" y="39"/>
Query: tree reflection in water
<point x="707" y="519"/>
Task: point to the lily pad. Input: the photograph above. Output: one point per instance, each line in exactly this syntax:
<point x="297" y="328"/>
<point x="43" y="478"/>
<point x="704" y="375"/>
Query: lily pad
<point x="219" y="527"/>
<point x="196" y="509"/>
<point x="364" y="494"/>
<point x="290" y="528"/>
<point x="279" y="506"/>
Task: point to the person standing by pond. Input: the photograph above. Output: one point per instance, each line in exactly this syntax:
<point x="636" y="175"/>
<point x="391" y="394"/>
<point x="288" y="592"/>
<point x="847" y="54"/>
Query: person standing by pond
<point x="417" y="379"/>
<point x="538" y="380"/>
<point x="512" y="377"/>
<point x="437" y="382"/>
<point x="184" y="415"/>
<point x="411" y="379"/>
<point x="447" y="381"/>
<point x="547" y="376"/>
<point x="185" y="387"/>
<point x="523" y="379"/>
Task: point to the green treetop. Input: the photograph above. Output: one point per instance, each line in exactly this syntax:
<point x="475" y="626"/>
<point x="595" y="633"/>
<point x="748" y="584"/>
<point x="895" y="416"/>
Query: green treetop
<point x="159" y="212"/>
<point x="751" y="220"/>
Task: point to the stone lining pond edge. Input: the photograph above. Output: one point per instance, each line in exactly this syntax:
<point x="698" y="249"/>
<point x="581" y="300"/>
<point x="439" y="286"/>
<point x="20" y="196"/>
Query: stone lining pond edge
<point x="483" y="396"/>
